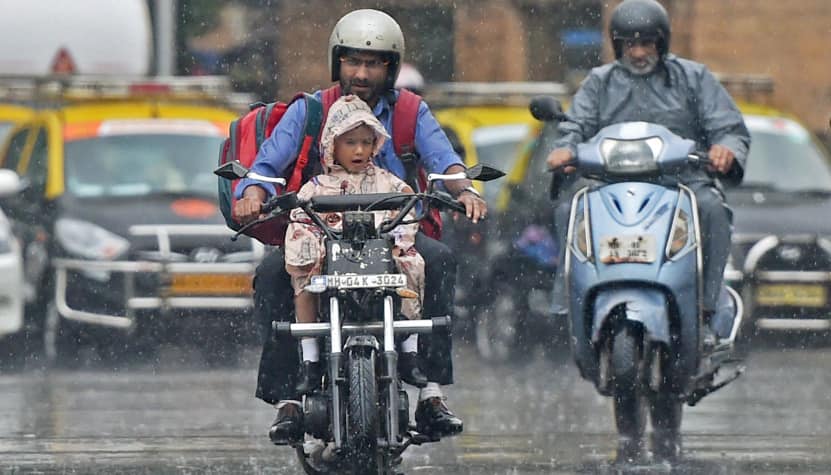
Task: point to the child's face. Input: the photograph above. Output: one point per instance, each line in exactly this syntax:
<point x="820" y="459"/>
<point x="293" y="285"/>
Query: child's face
<point x="353" y="150"/>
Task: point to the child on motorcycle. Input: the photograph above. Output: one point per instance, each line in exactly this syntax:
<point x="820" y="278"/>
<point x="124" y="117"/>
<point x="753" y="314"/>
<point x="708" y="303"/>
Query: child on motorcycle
<point x="352" y="136"/>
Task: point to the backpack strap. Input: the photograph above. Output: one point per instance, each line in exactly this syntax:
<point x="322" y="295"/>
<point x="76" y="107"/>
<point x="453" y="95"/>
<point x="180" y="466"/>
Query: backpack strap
<point x="404" y="121"/>
<point x="311" y="129"/>
<point x="328" y="97"/>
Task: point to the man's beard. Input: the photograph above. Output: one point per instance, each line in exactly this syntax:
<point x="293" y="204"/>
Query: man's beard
<point x="644" y="67"/>
<point x="367" y="95"/>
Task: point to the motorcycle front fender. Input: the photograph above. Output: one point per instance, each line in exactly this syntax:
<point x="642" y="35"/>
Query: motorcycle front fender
<point x="645" y="305"/>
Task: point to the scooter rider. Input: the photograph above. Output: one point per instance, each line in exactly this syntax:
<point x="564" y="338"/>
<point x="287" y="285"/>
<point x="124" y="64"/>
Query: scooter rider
<point x="647" y="83"/>
<point x="366" y="49"/>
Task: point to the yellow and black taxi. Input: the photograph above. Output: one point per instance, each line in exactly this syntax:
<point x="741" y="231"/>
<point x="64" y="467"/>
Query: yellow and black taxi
<point x="781" y="257"/>
<point x="119" y="222"/>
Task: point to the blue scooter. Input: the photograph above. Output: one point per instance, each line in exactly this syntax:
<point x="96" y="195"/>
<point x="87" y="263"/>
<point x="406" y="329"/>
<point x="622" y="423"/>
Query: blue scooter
<point x="634" y="283"/>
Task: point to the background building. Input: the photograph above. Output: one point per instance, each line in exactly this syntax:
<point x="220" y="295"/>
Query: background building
<point x="283" y="47"/>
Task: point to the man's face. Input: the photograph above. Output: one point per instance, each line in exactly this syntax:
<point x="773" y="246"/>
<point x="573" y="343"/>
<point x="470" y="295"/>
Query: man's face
<point x="640" y="56"/>
<point x="364" y="74"/>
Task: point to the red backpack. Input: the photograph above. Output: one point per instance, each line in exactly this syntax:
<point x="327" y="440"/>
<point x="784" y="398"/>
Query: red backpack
<point x="244" y="140"/>
<point x="404" y="120"/>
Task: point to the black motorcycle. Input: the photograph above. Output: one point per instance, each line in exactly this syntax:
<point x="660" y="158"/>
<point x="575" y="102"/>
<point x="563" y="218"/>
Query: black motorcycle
<point x="357" y="420"/>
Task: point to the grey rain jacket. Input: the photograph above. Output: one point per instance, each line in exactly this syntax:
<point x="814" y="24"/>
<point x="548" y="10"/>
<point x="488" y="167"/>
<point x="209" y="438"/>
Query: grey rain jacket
<point x="679" y="94"/>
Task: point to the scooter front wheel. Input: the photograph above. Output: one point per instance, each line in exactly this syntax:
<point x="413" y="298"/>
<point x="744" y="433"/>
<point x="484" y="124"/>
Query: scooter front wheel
<point x="628" y="392"/>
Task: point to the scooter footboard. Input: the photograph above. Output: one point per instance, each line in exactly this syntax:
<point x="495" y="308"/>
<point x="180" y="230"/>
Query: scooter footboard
<point x="647" y="306"/>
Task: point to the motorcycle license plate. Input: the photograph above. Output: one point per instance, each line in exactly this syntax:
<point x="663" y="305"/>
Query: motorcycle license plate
<point x="632" y="248"/>
<point x="360" y="281"/>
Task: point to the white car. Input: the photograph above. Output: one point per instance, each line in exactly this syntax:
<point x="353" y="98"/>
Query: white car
<point x="11" y="270"/>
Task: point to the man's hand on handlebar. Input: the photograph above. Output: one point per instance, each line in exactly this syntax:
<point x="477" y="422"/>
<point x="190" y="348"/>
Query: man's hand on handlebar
<point x="721" y="158"/>
<point x="249" y="207"/>
<point x="475" y="207"/>
<point x="558" y="158"/>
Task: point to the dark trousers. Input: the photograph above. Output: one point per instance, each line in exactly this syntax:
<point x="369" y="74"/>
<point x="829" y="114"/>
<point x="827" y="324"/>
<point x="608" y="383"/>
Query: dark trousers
<point x="274" y="301"/>
<point x="716" y="230"/>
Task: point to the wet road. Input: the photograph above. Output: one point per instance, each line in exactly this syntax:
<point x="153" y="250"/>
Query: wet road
<point x="531" y="418"/>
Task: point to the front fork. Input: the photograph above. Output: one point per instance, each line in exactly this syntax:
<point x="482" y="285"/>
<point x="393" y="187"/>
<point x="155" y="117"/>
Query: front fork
<point x="390" y="377"/>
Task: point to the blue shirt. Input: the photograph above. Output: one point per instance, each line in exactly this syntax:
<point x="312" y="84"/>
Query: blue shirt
<point x="277" y="153"/>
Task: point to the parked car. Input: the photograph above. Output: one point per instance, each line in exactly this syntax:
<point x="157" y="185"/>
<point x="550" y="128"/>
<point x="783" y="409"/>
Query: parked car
<point x="11" y="278"/>
<point x="781" y="257"/>
<point x="121" y="231"/>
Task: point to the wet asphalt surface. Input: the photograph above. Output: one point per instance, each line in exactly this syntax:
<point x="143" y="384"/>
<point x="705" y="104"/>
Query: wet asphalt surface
<point x="533" y="417"/>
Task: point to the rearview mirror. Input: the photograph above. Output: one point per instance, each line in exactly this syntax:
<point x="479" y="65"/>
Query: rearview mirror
<point x="546" y="109"/>
<point x="231" y="170"/>
<point x="483" y="173"/>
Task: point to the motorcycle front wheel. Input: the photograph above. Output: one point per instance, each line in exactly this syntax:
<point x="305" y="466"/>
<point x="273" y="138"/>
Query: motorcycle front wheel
<point x="362" y="412"/>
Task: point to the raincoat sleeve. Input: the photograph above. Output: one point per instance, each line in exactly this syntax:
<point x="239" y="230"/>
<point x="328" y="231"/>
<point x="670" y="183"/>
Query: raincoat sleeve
<point x="583" y="116"/>
<point x="722" y="122"/>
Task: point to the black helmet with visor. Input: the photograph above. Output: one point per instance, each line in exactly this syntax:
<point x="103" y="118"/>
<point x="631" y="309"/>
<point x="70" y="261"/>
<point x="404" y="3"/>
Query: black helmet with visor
<point x="644" y="20"/>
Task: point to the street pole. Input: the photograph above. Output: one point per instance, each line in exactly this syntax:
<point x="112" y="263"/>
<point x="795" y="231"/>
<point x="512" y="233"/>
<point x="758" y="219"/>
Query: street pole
<point x="165" y="37"/>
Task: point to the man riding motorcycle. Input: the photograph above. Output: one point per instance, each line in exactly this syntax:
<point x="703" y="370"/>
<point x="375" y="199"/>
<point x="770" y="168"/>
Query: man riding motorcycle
<point x="366" y="50"/>
<point x="647" y="83"/>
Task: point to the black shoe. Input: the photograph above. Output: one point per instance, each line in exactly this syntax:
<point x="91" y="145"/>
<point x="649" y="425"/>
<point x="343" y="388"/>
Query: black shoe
<point x="433" y="417"/>
<point x="309" y="377"/>
<point x="287" y="427"/>
<point x="409" y="371"/>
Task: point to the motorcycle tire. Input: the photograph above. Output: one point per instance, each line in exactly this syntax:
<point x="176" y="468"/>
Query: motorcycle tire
<point x="362" y="412"/>
<point x="498" y="327"/>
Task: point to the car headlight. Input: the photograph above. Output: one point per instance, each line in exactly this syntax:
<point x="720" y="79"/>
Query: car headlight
<point x="679" y="234"/>
<point x="631" y="156"/>
<point x="6" y="236"/>
<point x="89" y="241"/>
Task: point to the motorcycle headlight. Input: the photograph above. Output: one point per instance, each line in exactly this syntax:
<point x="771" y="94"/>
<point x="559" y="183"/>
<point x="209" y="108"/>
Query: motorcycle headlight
<point x="679" y="234"/>
<point x="631" y="156"/>
<point x="89" y="241"/>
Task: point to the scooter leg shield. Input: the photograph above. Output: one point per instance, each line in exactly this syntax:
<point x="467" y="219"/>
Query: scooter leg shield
<point x="644" y="305"/>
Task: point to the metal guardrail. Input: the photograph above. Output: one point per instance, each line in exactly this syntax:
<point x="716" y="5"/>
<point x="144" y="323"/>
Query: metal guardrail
<point x="749" y="87"/>
<point x="216" y="89"/>
<point x="462" y="94"/>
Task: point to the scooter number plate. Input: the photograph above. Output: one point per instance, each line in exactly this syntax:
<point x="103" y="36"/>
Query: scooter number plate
<point x="627" y="249"/>
<point x="369" y="281"/>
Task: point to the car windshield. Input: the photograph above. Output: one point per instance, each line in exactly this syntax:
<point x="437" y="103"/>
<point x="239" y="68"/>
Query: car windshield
<point x="783" y="156"/>
<point x="5" y="128"/>
<point x="141" y="164"/>
<point x="498" y="146"/>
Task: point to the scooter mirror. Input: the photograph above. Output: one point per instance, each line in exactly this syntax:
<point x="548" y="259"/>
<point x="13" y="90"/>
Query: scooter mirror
<point x="232" y="170"/>
<point x="546" y="109"/>
<point x="483" y="173"/>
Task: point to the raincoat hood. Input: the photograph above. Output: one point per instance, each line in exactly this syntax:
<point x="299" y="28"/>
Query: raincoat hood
<point x="346" y="114"/>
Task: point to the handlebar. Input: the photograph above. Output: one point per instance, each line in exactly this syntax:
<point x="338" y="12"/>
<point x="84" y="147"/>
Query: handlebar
<point x="282" y="204"/>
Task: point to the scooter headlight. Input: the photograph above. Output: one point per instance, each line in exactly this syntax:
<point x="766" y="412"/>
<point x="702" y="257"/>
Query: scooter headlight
<point x="581" y="237"/>
<point x="631" y="156"/>
<point x="680" y="234"/>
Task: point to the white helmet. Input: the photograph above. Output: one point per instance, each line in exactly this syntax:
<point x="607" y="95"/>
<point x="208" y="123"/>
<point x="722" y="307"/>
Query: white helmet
<point x="410" y="78"/>
<point x="367" y="30"/>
